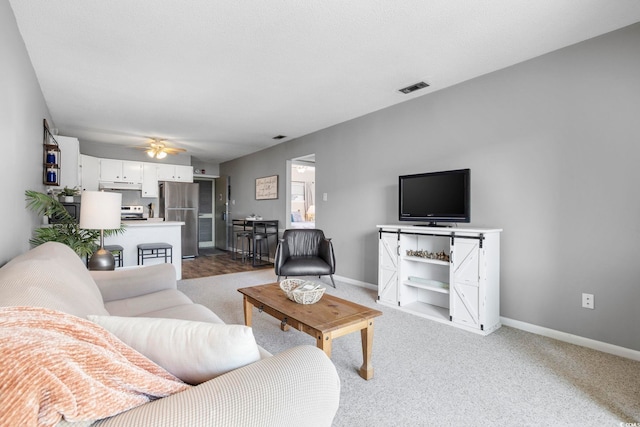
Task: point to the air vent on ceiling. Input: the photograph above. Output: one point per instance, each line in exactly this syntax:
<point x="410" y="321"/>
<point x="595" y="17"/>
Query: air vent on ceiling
<point x="279" y="137"/>
<point x="413" y="87"/>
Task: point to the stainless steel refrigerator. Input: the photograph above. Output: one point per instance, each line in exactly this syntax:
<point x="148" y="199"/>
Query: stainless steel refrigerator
<point x="179" y="202"/>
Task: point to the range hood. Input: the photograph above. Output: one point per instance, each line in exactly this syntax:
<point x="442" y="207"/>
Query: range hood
<point x="119" y="186"/>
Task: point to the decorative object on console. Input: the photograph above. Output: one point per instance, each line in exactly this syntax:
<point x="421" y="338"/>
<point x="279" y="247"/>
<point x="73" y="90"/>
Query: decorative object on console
<point x="440" y="256"/>
<point x="99" y="211"/>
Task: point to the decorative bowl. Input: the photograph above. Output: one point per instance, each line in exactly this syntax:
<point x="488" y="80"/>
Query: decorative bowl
<point x="302" y="291"/>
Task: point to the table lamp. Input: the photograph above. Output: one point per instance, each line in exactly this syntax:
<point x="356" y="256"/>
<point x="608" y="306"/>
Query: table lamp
<point x="311" y="213"/>
<point x="100" y="210"/>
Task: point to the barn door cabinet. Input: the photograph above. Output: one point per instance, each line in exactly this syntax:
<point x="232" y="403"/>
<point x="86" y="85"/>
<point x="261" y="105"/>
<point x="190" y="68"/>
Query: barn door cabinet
<point x="450" y="275"/>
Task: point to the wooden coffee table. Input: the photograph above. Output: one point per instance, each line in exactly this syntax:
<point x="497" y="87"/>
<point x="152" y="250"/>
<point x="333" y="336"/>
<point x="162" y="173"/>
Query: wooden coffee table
<point x="329" y="318"/>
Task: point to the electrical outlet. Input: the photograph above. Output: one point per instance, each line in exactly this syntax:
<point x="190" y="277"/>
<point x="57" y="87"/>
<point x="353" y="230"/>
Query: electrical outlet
<point x="588" y="301"/>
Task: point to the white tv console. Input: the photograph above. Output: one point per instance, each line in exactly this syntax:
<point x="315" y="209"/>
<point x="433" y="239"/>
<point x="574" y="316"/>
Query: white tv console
<point x="450" y="275"/>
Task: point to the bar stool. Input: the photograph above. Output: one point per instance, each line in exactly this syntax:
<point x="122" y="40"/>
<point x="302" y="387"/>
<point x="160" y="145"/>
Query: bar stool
<point x="259" y="241"/>
<point x="245" y="237"/>
<point x="116" y="251"/>
<point x="154" y="250"/>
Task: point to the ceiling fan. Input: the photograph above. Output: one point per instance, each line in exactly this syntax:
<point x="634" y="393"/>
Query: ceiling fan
<point x="158" y="149"/>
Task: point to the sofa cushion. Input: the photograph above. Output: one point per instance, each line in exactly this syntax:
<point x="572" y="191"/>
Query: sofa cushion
<point x="53" y="276"/>
<point x="192" y="351"/>
<point x="138" y="306"/>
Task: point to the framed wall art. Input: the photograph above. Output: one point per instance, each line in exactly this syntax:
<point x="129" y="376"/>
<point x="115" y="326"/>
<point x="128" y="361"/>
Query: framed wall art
<point x="267" y="188"/>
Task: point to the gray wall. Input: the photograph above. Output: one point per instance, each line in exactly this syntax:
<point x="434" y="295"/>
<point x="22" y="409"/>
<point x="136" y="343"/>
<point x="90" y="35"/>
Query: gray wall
<point x="553" y="148"/>
<point x="22" y="109"/>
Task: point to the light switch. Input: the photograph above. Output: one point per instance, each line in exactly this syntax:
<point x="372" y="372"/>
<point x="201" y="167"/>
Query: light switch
<point x="324" y="197"/>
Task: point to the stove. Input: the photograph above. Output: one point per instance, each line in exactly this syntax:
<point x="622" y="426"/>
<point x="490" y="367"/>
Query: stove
<point x="131" y="213"/>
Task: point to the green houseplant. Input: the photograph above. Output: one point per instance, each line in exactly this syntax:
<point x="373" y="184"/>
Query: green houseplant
<point x="66" y="230"/>
<point x="67" y="194"/>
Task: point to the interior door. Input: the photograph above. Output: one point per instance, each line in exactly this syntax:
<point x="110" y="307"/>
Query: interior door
<point x="222" y="213"/>
<point x="206" y="230"/>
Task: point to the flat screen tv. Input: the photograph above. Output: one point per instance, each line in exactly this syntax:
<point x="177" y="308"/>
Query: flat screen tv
<point x="436" y="197"/>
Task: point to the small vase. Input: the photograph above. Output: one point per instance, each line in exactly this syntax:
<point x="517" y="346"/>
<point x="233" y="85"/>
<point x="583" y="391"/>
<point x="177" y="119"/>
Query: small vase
<point x="68" y="199"/>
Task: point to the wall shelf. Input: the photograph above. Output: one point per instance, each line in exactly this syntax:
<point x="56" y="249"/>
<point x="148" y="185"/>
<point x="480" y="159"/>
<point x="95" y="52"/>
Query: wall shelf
<point x="51" y="158"/>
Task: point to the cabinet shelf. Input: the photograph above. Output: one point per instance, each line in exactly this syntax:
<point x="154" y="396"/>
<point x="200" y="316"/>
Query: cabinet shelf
<point x="429" y="285"/>
<point x="427" y="310"/>
<point x="425" y="260"/>
<point x="50" y="158"/>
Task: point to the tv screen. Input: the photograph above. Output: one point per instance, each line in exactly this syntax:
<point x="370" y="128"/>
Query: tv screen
<point x="436" y="196"/>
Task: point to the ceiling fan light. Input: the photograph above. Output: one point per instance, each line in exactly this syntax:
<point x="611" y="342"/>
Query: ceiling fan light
<point x="151" y="153"/>
<point x="161" y="155"/>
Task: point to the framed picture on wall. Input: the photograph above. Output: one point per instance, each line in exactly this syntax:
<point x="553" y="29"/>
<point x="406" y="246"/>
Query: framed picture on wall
<point x="267" y="188"/>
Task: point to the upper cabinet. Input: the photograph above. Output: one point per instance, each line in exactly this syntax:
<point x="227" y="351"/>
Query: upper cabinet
<point x="89" y="174"/>
<point x="120" y="171"/>
<point x="178" y="173"/>
<point x="149" y="180"/>
<point x="70" y="168"/>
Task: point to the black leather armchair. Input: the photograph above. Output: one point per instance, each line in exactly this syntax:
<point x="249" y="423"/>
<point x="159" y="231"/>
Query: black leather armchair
<point x="305" y="252"/>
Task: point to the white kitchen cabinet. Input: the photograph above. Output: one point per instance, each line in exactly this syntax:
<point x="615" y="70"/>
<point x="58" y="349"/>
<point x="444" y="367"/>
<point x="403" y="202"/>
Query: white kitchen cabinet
<point x="444" y="274"/>
<point x="149" y="180"/>
<point x="179" y="173"/>
<point x="89" y="175"/>
<point x="120" y="171"/>
<point x="69" y="162"/>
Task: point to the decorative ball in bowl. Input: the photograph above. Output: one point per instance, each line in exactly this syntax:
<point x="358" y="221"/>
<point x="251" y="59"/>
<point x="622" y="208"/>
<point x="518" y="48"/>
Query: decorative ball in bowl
<point x="302" y="291"/>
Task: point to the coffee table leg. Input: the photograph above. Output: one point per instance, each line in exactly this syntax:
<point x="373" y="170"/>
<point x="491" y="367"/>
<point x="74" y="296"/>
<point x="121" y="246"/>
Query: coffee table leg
<point x="366" y="334"/>
<point x="324" y="343"/>
<point x="248" y="311"/>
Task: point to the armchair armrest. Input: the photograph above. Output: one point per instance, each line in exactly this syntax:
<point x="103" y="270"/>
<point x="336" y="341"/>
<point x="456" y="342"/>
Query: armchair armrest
<point x="127" y="283"/>
<point x="299" y="386"/>
<point x="281" y="255"/>
<point x="325" y="251"/>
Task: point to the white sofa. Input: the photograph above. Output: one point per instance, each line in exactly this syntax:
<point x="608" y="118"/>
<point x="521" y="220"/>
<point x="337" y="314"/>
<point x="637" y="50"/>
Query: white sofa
<point x="297" y="387"/>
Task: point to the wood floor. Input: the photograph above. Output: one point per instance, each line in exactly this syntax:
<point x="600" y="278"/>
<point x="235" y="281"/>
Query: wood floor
<point x="213" y="262"/>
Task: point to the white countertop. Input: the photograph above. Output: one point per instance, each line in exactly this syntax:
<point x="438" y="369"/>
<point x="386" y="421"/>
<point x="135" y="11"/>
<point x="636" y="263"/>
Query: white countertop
<point x="152" y="223"/>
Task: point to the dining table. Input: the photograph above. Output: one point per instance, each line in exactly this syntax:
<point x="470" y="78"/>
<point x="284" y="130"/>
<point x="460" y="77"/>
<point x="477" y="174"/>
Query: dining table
<point x="259" y="229"/>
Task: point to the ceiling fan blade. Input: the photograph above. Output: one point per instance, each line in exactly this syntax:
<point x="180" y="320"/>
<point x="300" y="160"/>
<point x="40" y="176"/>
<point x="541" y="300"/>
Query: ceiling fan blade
<point x="174" y="150"/>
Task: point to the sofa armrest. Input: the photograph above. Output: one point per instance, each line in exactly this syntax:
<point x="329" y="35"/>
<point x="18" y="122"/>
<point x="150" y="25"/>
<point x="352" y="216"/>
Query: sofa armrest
<point x="132" y="282"/>
<point x="299" y="386"/>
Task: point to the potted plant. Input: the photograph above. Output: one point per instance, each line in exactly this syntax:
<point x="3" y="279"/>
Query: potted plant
<point x="67" y="194"/>
<point x="66" y="230"/>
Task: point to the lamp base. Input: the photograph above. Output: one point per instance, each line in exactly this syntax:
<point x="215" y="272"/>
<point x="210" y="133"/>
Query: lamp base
<point x="102" y="260"/>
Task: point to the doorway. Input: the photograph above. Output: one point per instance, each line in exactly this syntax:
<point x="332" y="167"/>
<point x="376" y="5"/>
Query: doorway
<point x="301" y="192"/>
<point x="206" y="230"/>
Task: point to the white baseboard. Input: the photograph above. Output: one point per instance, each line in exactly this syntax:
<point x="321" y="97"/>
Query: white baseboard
<point x="573" y="339"/>
<point x="356" y="282"/>
<point x="539" y="330"/>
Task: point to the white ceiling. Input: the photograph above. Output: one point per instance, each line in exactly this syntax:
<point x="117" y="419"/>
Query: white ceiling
<point x="222" y="77"/>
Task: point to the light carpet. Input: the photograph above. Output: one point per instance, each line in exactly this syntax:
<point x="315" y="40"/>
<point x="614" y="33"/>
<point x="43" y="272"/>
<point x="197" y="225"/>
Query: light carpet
<point x="432" y="374"/>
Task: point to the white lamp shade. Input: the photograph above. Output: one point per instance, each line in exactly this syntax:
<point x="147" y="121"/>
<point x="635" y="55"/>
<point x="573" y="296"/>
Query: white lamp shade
<point x="312" y="210"/>
<point x="100" y="210"/>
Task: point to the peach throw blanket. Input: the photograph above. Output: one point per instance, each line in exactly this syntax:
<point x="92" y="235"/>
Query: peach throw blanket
<point x="53" y="364"/>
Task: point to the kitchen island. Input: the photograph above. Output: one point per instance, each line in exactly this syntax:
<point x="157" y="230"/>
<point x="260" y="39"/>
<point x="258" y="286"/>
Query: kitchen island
<point x="149" y="231"/>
